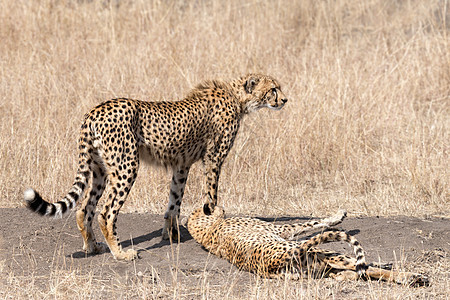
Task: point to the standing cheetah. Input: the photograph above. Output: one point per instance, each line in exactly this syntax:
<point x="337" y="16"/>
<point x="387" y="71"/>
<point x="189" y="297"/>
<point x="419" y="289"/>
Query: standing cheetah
<point x="116" y="133"/>
<point x="270" y="250"/>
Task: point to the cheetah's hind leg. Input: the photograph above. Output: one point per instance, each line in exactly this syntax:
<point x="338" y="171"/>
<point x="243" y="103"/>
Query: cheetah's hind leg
<point x="85" y="214"/>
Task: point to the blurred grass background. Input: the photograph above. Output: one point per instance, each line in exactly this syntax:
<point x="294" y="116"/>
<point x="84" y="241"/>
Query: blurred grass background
<point x="366" y="127"/>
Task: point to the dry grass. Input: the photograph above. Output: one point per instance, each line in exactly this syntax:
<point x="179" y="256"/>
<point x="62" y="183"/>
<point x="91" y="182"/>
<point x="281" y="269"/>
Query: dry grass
<point x="64" y="282"/>
<point x="366" y="127"/>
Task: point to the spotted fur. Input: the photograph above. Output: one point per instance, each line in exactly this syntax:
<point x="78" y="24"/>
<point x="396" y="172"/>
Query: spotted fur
<point x="117" y="133"/>
<point x="269" y="250"/>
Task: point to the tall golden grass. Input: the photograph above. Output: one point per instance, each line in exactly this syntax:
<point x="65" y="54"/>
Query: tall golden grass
<point x="366" y="126"/>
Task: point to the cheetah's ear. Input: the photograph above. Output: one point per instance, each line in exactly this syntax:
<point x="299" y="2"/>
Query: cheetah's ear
<point x="250" y="84"/>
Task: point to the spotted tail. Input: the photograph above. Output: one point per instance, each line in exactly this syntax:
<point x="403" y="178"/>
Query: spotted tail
<point x="35" y="202"/>
<point x="334" y="236"/>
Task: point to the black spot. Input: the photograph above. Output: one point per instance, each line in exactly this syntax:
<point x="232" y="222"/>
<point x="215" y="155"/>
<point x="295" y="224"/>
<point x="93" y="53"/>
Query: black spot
<point x="175" y="195"/>
<point x="206" y="209"/>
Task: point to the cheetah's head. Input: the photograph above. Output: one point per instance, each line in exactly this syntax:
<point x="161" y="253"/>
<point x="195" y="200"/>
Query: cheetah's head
<point x="199" y="222"/>
<point x="258" y="91"/>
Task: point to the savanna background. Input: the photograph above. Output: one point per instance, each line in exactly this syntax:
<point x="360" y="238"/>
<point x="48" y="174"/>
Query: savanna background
<point x="366" y="127"/>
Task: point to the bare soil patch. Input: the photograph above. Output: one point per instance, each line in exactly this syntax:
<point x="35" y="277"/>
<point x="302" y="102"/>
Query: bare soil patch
<point x="38" y="247"/>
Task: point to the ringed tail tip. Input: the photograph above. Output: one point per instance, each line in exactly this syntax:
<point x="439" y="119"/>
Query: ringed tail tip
<point x="35" y="202"/>
<point x="29" y="195"/>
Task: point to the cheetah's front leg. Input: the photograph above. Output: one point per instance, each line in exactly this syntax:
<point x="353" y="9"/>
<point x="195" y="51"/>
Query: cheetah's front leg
<point x="212" y="182"/>
<point x="213" y="160"/>
<point x="172" y="214"/>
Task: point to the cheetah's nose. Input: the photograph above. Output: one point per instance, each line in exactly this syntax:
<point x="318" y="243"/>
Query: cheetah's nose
<point x="284" y="100"/>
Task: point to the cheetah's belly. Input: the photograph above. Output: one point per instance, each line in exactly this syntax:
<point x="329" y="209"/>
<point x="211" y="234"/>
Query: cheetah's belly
<point x="172" y="154"/>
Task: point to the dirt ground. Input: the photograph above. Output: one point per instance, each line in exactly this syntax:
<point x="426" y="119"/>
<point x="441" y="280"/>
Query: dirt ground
<point x="35" y="246"/>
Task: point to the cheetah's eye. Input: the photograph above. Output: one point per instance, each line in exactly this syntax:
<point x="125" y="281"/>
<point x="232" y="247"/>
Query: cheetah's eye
<point x="274" y="91"/>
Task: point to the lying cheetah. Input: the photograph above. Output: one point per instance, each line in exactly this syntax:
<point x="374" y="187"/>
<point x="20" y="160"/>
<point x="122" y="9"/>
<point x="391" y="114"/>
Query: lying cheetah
<point x="269" y="250"/>
<point x="116" y="133"/>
